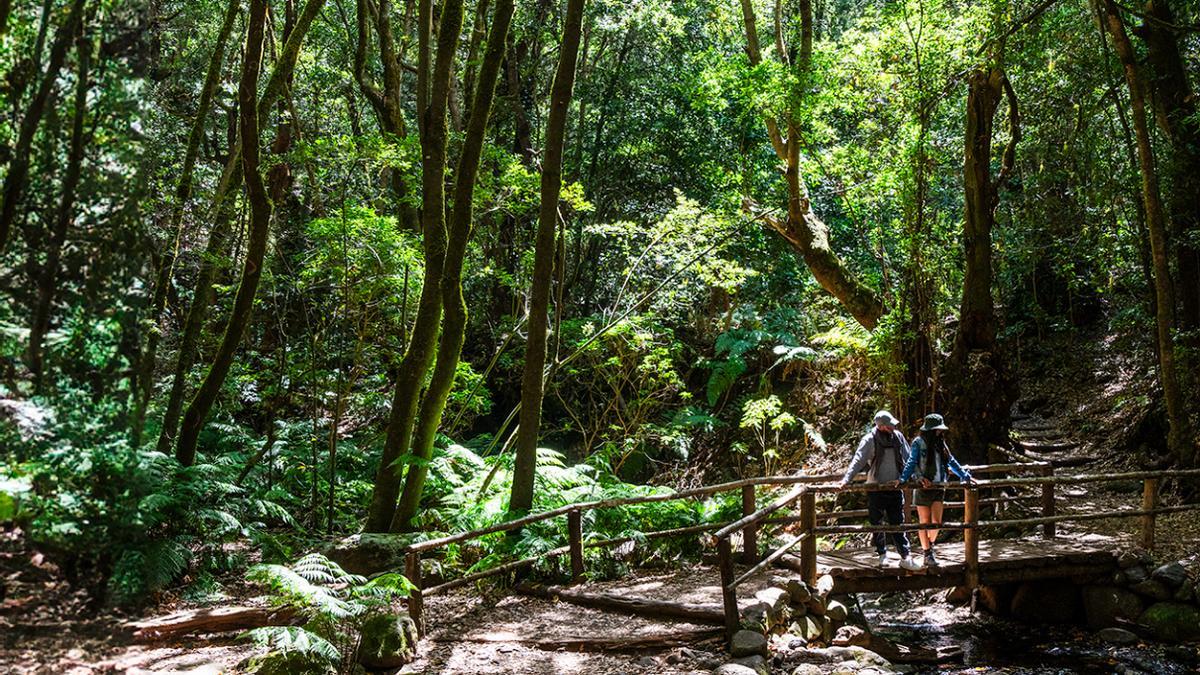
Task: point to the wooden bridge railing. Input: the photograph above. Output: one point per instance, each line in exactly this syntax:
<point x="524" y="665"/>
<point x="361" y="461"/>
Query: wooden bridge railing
<point x="805" y="491"/>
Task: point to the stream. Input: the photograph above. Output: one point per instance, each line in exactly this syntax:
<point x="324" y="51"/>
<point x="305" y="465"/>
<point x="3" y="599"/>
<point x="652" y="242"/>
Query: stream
<point x="995" y="644"/>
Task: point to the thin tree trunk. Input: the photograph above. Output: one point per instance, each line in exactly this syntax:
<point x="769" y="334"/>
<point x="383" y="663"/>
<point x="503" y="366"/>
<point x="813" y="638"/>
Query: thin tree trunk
<point x="533" y="378"/>
<point x="183" y="193"/>
<point x="222" y="209"/>
<point x="260" y="220"/>
<point x="433" y="90"/>
<point x="454" y="324"/>
<point x="48" y="279"/>
<point x="1179" y="438"/>
<point x="18" y="169"/>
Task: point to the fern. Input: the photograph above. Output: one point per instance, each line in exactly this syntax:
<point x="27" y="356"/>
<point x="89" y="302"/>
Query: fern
<point x="293" y="639"/>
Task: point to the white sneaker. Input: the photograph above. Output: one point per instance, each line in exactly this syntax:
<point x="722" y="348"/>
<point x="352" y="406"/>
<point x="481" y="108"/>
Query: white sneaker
<point x="883" y="560"/>
<point x="909" y="564"/>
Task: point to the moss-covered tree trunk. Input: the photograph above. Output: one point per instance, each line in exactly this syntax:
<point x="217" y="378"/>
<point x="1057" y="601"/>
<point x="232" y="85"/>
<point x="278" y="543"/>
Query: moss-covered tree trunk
<point x="454" y="323"/>
<point x="433" y="91"/>
<point x="533" y="377"/>
<point x="222" y="207"/>
<point x="47" y="283"/>
<point x="803" y="228"/>
<point x="980" y="387"/>
<point x="18" y="169"/>
<point x="256" y="248"/>
<point x="1179" y="436"/>
<point x="144" y="376"/>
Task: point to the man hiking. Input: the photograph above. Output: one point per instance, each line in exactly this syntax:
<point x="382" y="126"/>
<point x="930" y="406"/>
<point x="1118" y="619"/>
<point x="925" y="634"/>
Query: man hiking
<point x="883" y="452"/>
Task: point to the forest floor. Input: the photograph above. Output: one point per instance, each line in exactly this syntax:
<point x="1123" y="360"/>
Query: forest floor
<point x="1083" y="396"/>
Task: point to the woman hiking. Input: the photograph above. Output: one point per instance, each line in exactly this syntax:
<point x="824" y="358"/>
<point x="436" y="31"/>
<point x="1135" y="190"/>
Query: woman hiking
<point x="929" y="458"/>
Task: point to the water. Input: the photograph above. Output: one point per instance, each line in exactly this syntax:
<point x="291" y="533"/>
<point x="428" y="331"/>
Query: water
<point x="996" y="645"/>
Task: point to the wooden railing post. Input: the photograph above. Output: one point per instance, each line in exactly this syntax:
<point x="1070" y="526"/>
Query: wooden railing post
<point x="750" y="533"/>
<point x="1048" y="529"/>
<point x="416" y="603"/>
<point x="575" y="539"/>
<point x="728" y="590"/>
<point x="1149" y="503"/>
<point x="971" y="536"/>
<point x="808" y="547"/>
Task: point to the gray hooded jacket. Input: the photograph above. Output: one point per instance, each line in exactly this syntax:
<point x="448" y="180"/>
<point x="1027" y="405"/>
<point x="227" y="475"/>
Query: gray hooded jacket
<point x="887" y="469"/>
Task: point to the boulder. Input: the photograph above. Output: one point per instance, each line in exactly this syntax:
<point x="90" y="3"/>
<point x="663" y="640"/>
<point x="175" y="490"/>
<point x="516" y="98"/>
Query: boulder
<point x="775" y="598"/>
<point x="1172" y="574"/>
<point x="1153" y="589"/>
<point x="1136" y="574"/>
<point x="757" y="617"/>
<point x="369" y="553"/>
<point x="836" y="611"/>
<point x="862" y="658"/>
<point x="1127" y="559"/>
<point x="1046" y="602"/>
<point x="851" y="636"/>
<point x="1103" y="606"/>
<point x="748" y="643"/>
<point x="816" y="605"/>
<point x="1172" y="621"/>
<point x="1117" y="636"/>
<point x="388" y="641"/>
<point x="799" y="591"/>
<point x="959" y="595"/>
<point x="808" y="627"/>
<point x="1184" y="593"/>
<point x="735" y="669"/>
<point x="807" y="669"/>
<point x="756" y="664"/>
<point x="996" y="599"/>
<point x="825" y="585"/>
<point x="288" y="663"/>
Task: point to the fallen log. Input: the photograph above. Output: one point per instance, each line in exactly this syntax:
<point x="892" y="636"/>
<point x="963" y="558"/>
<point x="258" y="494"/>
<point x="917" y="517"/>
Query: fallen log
<point x="656" y="609"/>
<point x="900" y="653"/>
<point x="209" y="620"/>
<point x="595" y="644"/>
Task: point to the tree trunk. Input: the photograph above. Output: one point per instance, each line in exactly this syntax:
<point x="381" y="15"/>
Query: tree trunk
<point x="260" y="221"/>
<point x="18" y="169"/>
<point x="222" y="210"/>
<point x="1177" y="114"/>
<point x="802" y="228"/>
<point x="433" y="90"/>
<point x="980" y="388"/>
<point x="183" y="193"/>
<point x="48" y="279"/>
<point x="533" y="378"/>
<point x="454" y="324"/>
<point x="1179" y="438"/>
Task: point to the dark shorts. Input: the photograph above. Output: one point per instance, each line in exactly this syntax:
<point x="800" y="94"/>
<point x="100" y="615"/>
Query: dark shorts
<point x="928" y="497"/>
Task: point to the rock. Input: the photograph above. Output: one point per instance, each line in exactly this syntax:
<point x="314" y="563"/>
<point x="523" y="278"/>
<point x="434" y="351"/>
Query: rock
<point x="1119" y="579"/>
<point x="368" y="553"/>
<point x="863" y="658"/>
<point x="851" y="636"/>
<point x="775" y="598"/>
<point x="825" y="585"/>
<point x="1153" y="589"/>
<point x="799" y="591"/>
<point x="826" y="630"/>
<point x="1046" y="602"/>
<point x="1127" y="559"/>
<point x="807" y="669"/>
<point x="646" y="662"/>
<point x="996" y="599"/>
<point x="1184" y="594"/>
<point x="836" y="611"/>
<point x="748" y="643"/>
<point x="1118" y="636"/>
<point x="816" y="605"/>
<point x="1104" y="605"/>
<point x="388" y="641"/>
<point x="959" y="595"/>
<point x="809" y="628"/>
<point x="735" y="669"/>
<point x="288" y="663"/>
<point x="1172" y="621"/>
<point x="757" y="617"/>
<point x="1136" y="574"/>
<point x="756" y="664"/>
<point x="1172" y="574"/>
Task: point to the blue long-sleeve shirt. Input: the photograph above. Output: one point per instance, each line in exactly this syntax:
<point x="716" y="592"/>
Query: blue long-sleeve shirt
<point x="915" y="458"/>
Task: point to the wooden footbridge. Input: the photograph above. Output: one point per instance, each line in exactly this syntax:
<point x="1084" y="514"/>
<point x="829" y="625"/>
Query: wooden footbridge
<point x="974" y="562"/>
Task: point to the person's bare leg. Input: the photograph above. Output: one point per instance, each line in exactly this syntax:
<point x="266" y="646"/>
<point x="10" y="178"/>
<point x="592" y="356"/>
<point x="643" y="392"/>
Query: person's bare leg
<point x="923" y="515"/>
<point x="935" y="510"/>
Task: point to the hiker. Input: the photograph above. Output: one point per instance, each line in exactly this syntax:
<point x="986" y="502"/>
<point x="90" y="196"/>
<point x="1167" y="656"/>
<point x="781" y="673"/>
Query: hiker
<point x="883" y="452"/>
<point x="929" y="459"/>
